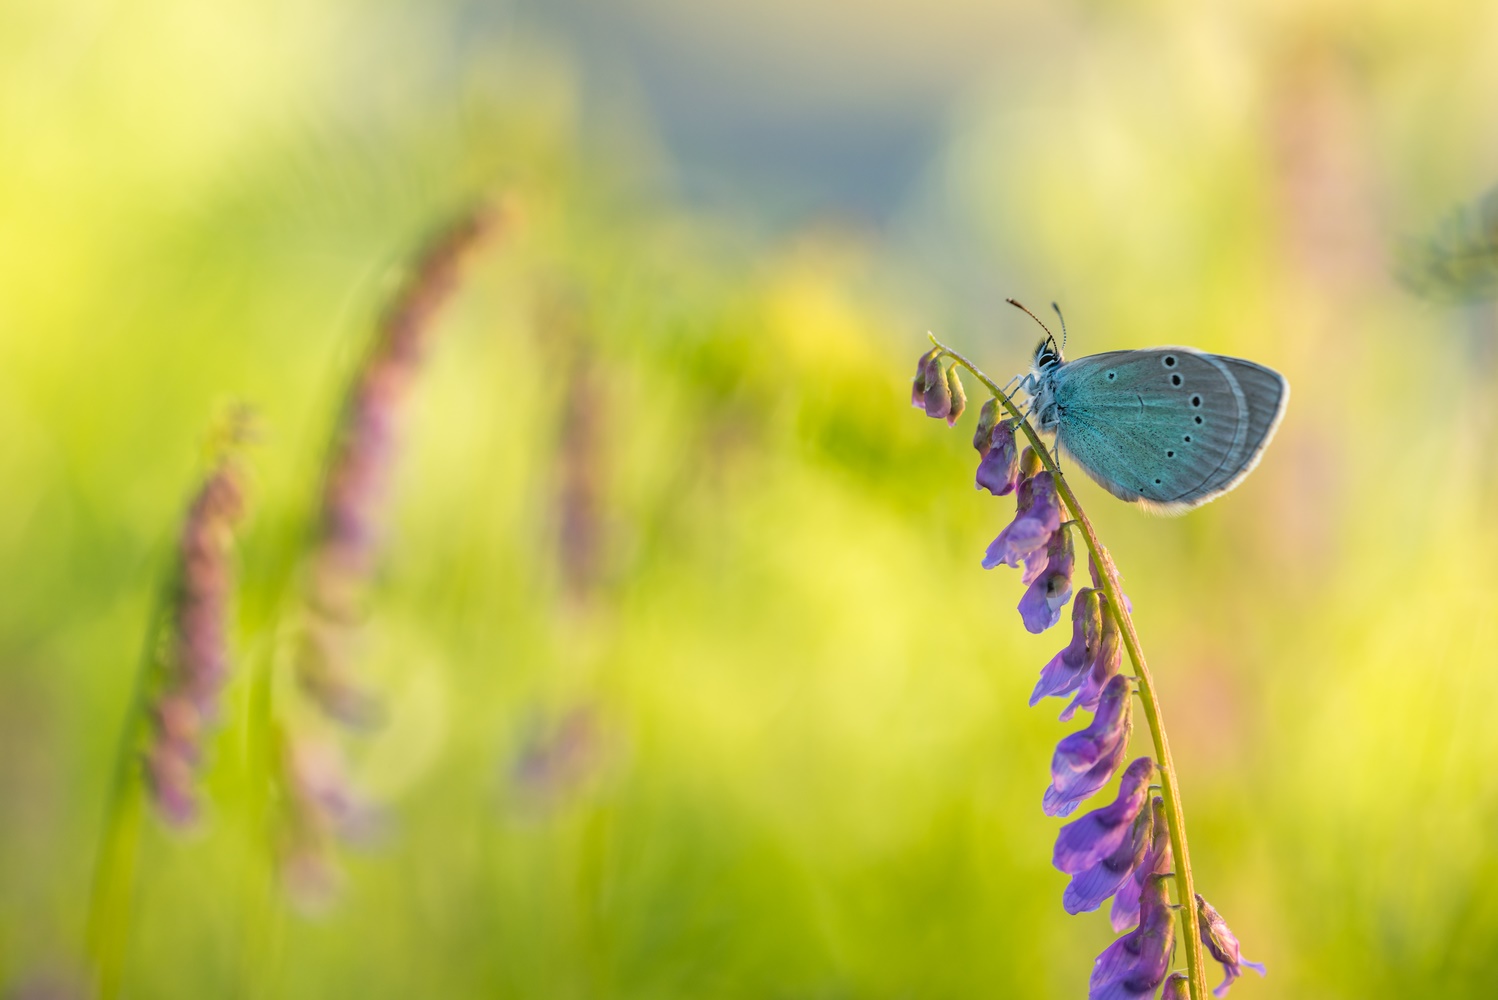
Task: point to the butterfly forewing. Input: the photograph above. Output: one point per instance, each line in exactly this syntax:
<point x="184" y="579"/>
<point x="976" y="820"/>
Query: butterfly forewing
<point x="1169" y="427"/>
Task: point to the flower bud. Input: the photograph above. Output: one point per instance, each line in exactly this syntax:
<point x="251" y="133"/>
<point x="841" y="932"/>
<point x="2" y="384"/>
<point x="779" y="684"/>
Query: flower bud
<point x="998" y="472"/>
<point x="938" y="396"/>
<point x="1030" y="464"/>
<point x="1220" y="940"/>
<point x="958" y="396"/>
<point x="988" y="417"/>
<point x="919" y="384"/>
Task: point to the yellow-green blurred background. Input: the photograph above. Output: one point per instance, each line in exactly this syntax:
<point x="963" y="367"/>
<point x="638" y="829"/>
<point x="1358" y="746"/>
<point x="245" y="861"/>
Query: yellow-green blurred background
<point x="808" y="767"/>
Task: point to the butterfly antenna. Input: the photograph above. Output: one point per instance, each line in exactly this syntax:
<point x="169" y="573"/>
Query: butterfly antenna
<point x="1063" y="324"/>
<point x="1020" y="306"/>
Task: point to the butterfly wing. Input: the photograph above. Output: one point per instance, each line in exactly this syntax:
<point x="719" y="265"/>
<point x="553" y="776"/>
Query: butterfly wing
<point x="1169" y="428"/>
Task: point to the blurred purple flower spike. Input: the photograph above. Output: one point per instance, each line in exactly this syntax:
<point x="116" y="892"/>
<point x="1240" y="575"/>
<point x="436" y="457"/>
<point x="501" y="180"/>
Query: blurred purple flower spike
<point x="197" y="653"/>
<point x="1085" y="761"/>
<point x="1135" y="965"/>
<point x="1223" y="944"/>
<point x="1067" y="669"/>
<point x="1050" y="587"/>
<point x="1157" y="861"/>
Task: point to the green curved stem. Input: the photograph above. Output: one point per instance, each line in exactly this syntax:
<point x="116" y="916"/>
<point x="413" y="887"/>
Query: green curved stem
<point x="1174" y="817"/>
<point x="112" y="897"/>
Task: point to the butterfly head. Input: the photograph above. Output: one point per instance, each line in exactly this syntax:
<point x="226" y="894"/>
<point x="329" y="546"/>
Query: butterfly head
<point x="1047" y="355"/>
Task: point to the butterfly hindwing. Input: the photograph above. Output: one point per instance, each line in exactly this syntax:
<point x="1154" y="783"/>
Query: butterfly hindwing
<point x="1168" y="427"/>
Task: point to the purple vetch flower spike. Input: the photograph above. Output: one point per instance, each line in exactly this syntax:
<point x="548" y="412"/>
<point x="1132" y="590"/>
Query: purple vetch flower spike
<point x="1067" y="669"/>
<point x="957" y="395"/>
<point x="1036" y="518"/>
<point x="1083" y="842"/>
<point x="1050" y="589"/>
<point x="197" y="651"/>
<point x="1176" y="987"/>
<point x="1135" y="965"/>
<point x="1085" y="761"/>
<point x="1105" y="664"/>
<point x="1157" y="861"/>
<point x="1088" y="889"/>
<point x="1220" y="940"/>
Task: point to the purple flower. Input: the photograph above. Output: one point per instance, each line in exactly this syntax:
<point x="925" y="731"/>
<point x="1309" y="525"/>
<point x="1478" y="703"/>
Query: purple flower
<point x="998" y="471"/>
<point x="1088" y="889"/>
<point x="1104" y="666"/>
<point x="1176" y="988"/>
<point x="1066" y="670"/>
<point x="930" y="390"/>
<point x="1135" y="965"/>
<point x="1083" y="842"/>
<point x="1036" y="518"/>
<point x="1223" y="944"/>
<point x="1157" y="861"/>
<point x="1050" y="588"/>
<point x="1085" y="761"/>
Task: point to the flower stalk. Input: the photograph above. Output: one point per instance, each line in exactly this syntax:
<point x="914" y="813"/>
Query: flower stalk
<point x="1145" y="685"/>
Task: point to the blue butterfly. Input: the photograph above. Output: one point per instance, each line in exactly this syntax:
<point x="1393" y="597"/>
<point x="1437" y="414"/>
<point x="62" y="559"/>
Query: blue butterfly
<point x="1168" y="428"/>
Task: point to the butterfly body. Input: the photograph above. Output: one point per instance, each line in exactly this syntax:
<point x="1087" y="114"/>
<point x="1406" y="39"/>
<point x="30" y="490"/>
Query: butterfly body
<point x="1169" y="428"/>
